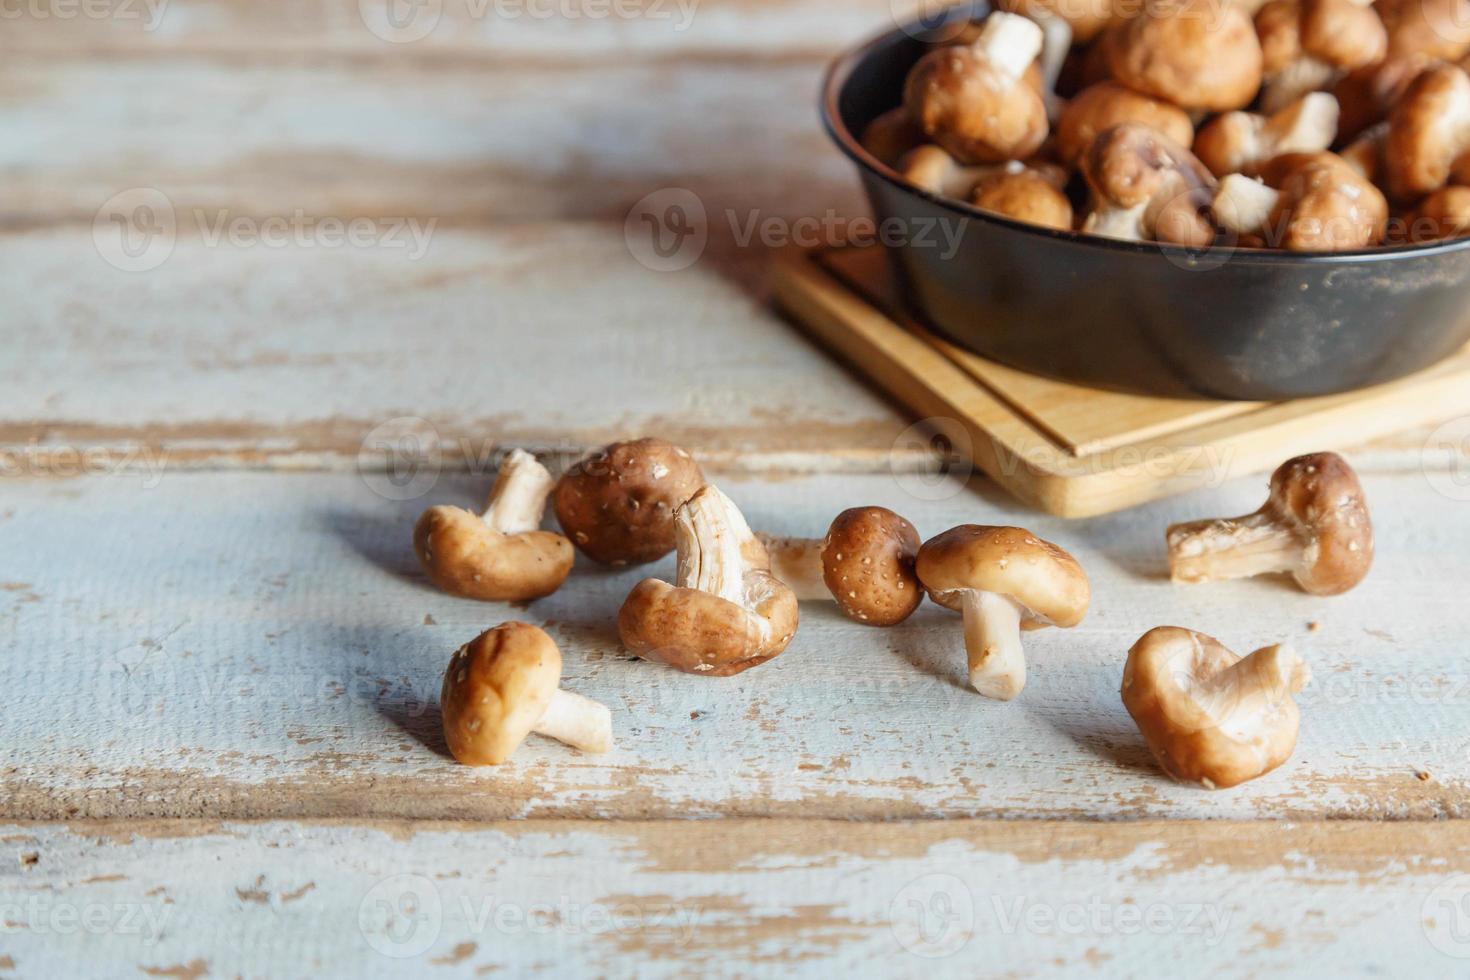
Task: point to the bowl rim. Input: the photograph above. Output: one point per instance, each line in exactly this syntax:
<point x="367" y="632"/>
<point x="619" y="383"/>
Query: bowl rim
<point x="840" y="71"/>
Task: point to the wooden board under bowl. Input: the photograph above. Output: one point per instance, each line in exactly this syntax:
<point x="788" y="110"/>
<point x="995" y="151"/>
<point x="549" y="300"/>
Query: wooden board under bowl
<point x="1071" y="450"/>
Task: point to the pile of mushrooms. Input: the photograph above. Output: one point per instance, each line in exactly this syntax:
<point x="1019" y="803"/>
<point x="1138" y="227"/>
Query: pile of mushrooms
<point x="1211" y="718"/>
<point x="1308" y="125"/>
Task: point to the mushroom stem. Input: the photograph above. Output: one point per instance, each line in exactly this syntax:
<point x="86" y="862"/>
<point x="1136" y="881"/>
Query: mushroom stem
<point x="1237" y="547"/>
<point x="798" y="563"/>
<point x="1254" y="687"/>
<point x="709" y="534"/>
<point x="993" y="642"/>
<point x="580" y="722"/>
<point x="1243" y="205"/>
<point x="1010" y="42"/>
<point x="518" y="498"/>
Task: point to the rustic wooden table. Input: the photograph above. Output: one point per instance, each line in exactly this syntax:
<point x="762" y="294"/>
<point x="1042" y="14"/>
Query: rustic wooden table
<point x="219" y="750"/>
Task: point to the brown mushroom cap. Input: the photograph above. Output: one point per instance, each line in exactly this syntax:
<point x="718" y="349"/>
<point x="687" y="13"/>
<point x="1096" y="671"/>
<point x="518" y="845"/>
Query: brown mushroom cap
<point x="1427" y="131"/>
<point x="1342" y="33"/>
<point x="1326" y="204"/>
<point x="891" y="135"/>
<point x="701" y="633"/>
<point x="1443" y="214"/>
<point x="868" y="565"/>
<point x="973" y="109"/>
<point x="466" y="557"/>
<point x="1189" y="724"/>
<point x="1100" y="107"/>
<point x="497" y="687"/>
<point x="1133" y="166"/>
<point x="617" y="505"/>
<point x="1432" y="29"/>
<point x="1319" y="497"/>
<point x="1044" y="580"/>
<point x="1198" y="54"/>
<point x="1025" y="195"/>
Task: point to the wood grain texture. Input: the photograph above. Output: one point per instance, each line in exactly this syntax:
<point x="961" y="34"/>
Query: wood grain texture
<point x="735" y="898"/>
<point x="254" y="645"/>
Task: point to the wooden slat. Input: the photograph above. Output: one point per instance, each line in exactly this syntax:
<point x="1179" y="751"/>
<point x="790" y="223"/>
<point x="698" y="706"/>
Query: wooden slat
<point x="735" y="898"/>
<point x="233" y="645"/>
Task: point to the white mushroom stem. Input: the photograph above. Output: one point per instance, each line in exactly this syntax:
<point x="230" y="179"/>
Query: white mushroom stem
<point x="1243" y="696"/>
<point x="1114" y="222"/>
<point x="518" y="498"/>
<point x="798" y="563"/>
<point x="580" y="722"/>
<point x="1305" y="126"/>
<point x="1243" y="205"/>
<point x="709" y="535"/>
<point x="993" y="643"/>
<point x="1010" y="42"/>
<point x="1238" y="547"/>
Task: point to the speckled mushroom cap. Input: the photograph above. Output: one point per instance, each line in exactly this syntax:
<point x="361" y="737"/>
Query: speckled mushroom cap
<point x="466" y="557"/>
<point x="1319" y="497"/>
<point x="1198" y="54"/>
<point x="1427" y="131"/>
<point x="617" y="505"/>
<point x="1186" y="721"/>
<point x="496" y="688"/>
<point x="1044" y="580"/>
<point x="973" y="109"/>
<point x="868" y="565"/>
<point x="1100" y="107"/>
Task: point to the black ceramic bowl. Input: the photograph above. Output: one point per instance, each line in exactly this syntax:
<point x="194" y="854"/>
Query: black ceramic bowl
<point x="1145" y="317"/>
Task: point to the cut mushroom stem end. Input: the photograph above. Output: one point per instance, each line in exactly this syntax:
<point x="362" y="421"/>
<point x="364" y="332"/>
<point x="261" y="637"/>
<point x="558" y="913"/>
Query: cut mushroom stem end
<point x="577" y="721"/>
<point x="993" y="643"/>
<point x="518" y="499"/>
<point x="712" y="535"/>
<point x="1010" y="42"/>
<point x="1257" y="684"/>
<point x="1232" y="548"/>
<point x="1243" y="205"/>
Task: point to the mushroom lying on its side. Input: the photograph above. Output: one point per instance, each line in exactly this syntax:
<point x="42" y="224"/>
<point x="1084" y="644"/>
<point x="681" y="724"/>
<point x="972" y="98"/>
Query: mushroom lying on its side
<point x="1146" y="187"/>
<point x="1026" y="193"/>
<point x="502" y="556"/>
<point x="503" y="685"/>
<point x="1305" y="202"/>
<point x="617" y="505"/>
<point x="974" y="100"/>
<point x="1098" y="108"/>
<point x="1314" y="527"/>
<point x="1428" y="134"/>
<point x="727" y="613"/>
<point x="1241" y="142"/>
<point x="865" y="564"/>
<point x="1210" y="717"/>
<point x="1004" y="580"/>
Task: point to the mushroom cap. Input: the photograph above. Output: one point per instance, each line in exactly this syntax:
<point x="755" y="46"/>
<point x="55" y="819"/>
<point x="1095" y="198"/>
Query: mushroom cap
<point x="891" y="135"/>
<point x="972" y="109"/>
<point x="1434" y="29"/>
<point x="496" y="688"/>
<point x="1166" y="691"/>
<point x="1087" y="18"/>
<point x="1319" y="497"/>
<point x="1198" y="54"/>
<point x="1100" y="107"/>
<point x="1132" y="165"/>
<point x="1047" y="582"/>
<point x="701" y="633"/>
<point x="868" y="565"/>
<point x="1342" y="33"/>
<point x="466" y="557"/>
<point x="1427" y="130"/>
<point x="1025" y="195"/>
<point x="1326" y="204"/>
<point x="617" y="505"/>
<point x="1443" y="214"/>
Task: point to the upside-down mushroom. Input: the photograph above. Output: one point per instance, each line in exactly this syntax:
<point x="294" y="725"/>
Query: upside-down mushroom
<point x="1305" y="202"/>
<point x="727" y="613"/>
<point x="1241" y="142"/>
<point x="1146" y="187"/>
<point x="974" y="100"/>
<point x="617" y="504"/>
<point x="505" y="684"/>
<point x="501" y="556"/>
<point x="1308" y="44"/>
<point x="1201" y="55"/>
<point x="865" y="564"/>
<point x="1100" y="107"/>
<point x="1210" y="717"/>
<point x="1004" y="580"/>
<point x="1314" y="527"/>
<point x="1428" y="134"/>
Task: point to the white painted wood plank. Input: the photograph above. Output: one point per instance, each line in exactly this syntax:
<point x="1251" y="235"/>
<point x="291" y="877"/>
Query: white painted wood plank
<point x="736" y="898"/>
<point x="264" y="645"/>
